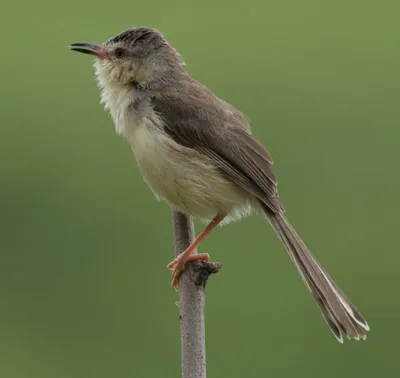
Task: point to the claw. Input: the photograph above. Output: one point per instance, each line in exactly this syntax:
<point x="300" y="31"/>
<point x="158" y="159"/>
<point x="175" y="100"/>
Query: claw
<point x="172" y="264"/>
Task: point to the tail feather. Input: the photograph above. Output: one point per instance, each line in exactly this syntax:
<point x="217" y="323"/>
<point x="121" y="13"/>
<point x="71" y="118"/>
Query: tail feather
<point x="340" y="314"/>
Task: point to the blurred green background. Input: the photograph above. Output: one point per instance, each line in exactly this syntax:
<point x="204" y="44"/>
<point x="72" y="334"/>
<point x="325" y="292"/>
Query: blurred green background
<point x="84" y="289"/>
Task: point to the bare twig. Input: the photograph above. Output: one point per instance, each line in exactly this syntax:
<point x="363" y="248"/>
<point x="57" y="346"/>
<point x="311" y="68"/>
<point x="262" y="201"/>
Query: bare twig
<point x="191" y="294"/>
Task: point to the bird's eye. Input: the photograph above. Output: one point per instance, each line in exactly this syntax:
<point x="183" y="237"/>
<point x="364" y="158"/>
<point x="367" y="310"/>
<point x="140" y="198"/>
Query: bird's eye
<point x="119" y="53"/>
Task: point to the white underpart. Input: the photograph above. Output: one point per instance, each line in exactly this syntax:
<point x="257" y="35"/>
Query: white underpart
<point x="185" y="178"/>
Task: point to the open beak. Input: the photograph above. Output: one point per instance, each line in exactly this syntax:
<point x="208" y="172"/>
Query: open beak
<point x="97" y="50"/>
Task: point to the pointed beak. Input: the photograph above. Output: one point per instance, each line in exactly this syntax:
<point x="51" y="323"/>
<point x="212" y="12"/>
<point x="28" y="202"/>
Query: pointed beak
<point x="95" y="49"/>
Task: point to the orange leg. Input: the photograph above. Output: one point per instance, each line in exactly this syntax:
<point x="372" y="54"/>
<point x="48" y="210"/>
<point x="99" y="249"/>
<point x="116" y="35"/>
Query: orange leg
<point x="178" y="264"/>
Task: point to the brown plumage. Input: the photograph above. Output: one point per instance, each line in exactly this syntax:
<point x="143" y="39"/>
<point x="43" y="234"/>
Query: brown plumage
<point x="197" y="152"/>
<point x="246" y="162"/>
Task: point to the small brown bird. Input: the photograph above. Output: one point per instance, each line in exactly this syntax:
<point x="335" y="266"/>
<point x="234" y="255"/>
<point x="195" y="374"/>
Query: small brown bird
<point x="197" y="153"/>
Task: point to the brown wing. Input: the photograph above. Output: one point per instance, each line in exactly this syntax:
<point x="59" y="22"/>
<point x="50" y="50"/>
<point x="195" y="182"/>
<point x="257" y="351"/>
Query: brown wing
<point x="233" y="149"/>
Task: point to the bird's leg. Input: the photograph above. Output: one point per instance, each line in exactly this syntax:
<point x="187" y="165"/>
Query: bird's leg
<point x="178" y="264"/>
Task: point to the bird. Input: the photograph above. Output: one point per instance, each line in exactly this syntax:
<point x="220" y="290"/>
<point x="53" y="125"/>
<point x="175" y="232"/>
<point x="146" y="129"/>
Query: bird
<point x="198" y="153"/>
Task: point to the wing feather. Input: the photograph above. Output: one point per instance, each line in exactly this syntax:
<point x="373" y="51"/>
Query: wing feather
<point x="223" y="135"/>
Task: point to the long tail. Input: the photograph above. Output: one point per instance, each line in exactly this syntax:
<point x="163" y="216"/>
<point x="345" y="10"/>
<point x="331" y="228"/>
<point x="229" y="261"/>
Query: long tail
<point x="340" y="314"/>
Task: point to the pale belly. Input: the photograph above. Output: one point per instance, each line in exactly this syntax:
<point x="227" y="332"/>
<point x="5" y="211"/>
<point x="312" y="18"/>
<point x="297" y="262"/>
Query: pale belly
<point x="186" y="179"/>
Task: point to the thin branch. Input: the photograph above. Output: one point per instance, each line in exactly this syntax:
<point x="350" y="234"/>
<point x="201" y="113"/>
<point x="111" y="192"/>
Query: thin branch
<point x="192" y="285"/>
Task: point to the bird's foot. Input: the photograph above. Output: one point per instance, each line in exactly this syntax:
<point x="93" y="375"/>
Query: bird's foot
<point x="178" y="265"/>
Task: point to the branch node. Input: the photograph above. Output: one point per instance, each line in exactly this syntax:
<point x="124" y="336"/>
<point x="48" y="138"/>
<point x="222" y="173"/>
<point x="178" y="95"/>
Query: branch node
<point x="201" y="270"/>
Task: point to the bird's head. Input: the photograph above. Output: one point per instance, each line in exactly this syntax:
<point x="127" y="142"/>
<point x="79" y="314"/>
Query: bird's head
<point x="138" y="55"/>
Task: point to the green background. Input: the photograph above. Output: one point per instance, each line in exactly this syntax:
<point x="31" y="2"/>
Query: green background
<point x="84" y="289"/>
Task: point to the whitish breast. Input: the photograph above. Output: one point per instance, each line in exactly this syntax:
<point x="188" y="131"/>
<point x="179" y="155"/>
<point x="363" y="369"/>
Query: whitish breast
<point x="183" y="177"/>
